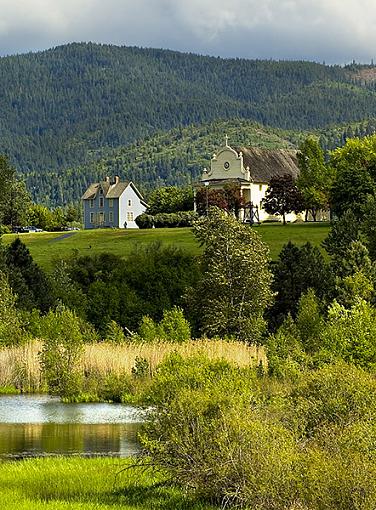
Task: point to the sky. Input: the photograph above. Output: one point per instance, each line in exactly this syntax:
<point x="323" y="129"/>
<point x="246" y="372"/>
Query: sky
<point x="334" y="31"/>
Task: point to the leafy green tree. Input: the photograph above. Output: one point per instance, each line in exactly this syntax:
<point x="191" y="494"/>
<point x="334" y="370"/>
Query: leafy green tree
<point x="209" y="197"/>
<point x="173" y="327"/>
<point x="27" y="279"/>
<point x="297" y="270"/>
<point x="315" y="178"/>
<point x="355" y="168"/>
<point x="343" y="232"/>
<point x="170" y="199"/>
<point x="14" y="198"/>
<point x="11" y="330"/>
<point x="63" y="344"/>
<point x="67" y="291"/>
<point x="234" y="289"/>
<point x="368" y="226"/>
<point x="350" y="334"/>
<point x="150" y="280"/>
<point x="355" y="275"/>
<point x="309" y="321"/>
<point x="115" y="333"/>
<point x="283" y="197"/>
<point x="39" y="216"/>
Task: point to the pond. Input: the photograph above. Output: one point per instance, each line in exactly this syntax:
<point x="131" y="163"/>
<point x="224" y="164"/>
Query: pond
<point x="40" y="425"/>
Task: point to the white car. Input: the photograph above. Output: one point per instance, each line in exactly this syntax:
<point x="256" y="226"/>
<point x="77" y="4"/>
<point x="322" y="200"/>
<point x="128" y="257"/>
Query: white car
<point x="32" y="229"/>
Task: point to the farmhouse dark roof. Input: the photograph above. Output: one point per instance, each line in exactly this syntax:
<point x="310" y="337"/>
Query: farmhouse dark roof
<point x="265" y="164"/>
<point x="109" y="190"/>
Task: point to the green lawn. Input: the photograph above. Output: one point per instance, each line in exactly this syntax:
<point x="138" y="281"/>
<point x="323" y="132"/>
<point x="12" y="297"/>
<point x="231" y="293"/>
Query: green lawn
<point x="46" y="247"/>
<point x="86" y="484"/>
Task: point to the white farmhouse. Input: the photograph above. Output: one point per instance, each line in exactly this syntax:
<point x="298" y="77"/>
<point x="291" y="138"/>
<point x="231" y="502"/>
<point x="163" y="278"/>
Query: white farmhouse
<point x="112" y="203"/>
<point x="251" y="169"/>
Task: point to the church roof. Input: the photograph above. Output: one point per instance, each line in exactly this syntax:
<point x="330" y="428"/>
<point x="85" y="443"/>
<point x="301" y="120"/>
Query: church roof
<point x="267" y="163"/>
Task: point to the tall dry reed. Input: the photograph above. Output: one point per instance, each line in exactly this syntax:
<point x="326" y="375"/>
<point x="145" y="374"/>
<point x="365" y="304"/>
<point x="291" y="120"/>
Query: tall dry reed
<point x="20" y="367"/>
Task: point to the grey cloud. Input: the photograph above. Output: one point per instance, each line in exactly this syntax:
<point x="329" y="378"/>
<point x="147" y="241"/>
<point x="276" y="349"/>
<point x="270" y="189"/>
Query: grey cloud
<point x="331" y="30"/>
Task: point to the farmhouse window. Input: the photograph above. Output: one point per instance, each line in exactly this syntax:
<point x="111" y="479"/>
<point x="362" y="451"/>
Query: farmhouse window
<point x="130" y="216"/>
<point x="111" y="202"/>
<point x="91" y="217"/>
<point x="110" y="216"/>
<point x="129" y="203"/>
<point x="101" y="201"/>
<point x="92" y="202"/>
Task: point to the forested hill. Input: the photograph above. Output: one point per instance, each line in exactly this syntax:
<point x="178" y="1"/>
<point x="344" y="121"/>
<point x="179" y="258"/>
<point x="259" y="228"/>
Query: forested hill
<point x="175" y="157"/>
<point x="57" y="105"/>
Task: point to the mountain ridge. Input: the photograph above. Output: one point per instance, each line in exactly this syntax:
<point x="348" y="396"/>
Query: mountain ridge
<point x="60" y="107"/>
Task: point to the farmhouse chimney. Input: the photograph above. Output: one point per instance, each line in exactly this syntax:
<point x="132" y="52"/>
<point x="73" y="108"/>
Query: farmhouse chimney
<point x="117" y="179"/>
<point x="107" y="179"/>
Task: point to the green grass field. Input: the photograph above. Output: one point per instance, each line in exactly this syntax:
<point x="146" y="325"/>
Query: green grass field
<point x="86" y="484"/>
<point x="46" y="247"/>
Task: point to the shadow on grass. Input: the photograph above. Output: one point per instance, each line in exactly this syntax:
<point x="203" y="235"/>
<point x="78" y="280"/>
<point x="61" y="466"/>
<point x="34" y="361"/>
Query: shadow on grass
<point x="159" y="496"/>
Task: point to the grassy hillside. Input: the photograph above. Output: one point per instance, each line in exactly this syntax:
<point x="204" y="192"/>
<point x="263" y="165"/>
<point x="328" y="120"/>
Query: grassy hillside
<point x="59" y="106"/>
<point x="46" y="247"/>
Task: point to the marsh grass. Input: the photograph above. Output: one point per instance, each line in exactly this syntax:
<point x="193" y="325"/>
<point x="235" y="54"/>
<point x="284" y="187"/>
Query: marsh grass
<point x="83" y="484"/>
<point x="20" y="366"/>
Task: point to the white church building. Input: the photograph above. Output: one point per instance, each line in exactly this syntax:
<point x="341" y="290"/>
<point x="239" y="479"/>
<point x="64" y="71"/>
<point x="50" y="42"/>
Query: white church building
<point x="251" y="169"/>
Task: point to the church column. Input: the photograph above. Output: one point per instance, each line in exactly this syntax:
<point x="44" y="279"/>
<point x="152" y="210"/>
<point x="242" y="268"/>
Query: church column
<point x="241" y="212"/>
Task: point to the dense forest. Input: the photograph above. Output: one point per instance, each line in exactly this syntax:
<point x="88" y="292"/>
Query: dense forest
<point x="59" y="106"/>
<point x="175" y="157"/>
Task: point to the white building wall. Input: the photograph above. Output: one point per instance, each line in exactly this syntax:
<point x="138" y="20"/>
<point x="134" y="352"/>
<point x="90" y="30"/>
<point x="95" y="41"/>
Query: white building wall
<point x="129" y="204"/>
<point x="258" y="192"/>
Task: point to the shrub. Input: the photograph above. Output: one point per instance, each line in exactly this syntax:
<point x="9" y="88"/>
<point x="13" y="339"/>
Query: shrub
<point x="167" y="220"/>
<point x="11" y="330"/>
<point x="336" y="394"/>
<point x="115" y="333"/>
<point x="251" y="443"/>
<point x="145" y="221"/>
<point x="63" y="343"/>
<point x="172" y="220"/>
<point x="206" y="434"/>
<point x="350" y="334"/>
<point x="172" y="328"/>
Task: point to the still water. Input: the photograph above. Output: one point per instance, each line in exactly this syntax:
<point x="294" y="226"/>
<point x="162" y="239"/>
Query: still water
<point x="40" y="425"/>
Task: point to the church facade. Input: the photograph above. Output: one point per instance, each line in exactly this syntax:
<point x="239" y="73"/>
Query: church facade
<point x="251" y="169"/>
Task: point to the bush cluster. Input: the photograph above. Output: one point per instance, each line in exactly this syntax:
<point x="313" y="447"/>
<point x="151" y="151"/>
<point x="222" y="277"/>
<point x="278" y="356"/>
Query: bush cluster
<point x="167" y="220"/>
<point x="247" y="441"/>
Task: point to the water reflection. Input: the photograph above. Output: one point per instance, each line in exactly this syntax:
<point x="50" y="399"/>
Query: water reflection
<point x="42" y="425"/>
<point x="22" y="440"/>
<point x="46" y="409"/>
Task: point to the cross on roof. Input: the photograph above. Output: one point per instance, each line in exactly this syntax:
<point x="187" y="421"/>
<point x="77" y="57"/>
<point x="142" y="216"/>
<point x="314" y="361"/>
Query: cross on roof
<point x="226" y="141"/>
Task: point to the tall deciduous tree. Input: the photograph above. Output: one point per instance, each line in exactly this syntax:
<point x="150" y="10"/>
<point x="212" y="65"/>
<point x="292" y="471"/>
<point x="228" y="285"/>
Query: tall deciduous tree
<point x="355" y="167"/>
<point x="298" y="269"/>
<point x="283" y="197"/>
<point x="14" y="198"/>
<point x="315" y="177"/>
<point x="27" y="279"/>
<point x="234" y="289"/>
<point x="209" y="197"/>
<point x="170" y="199"/>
